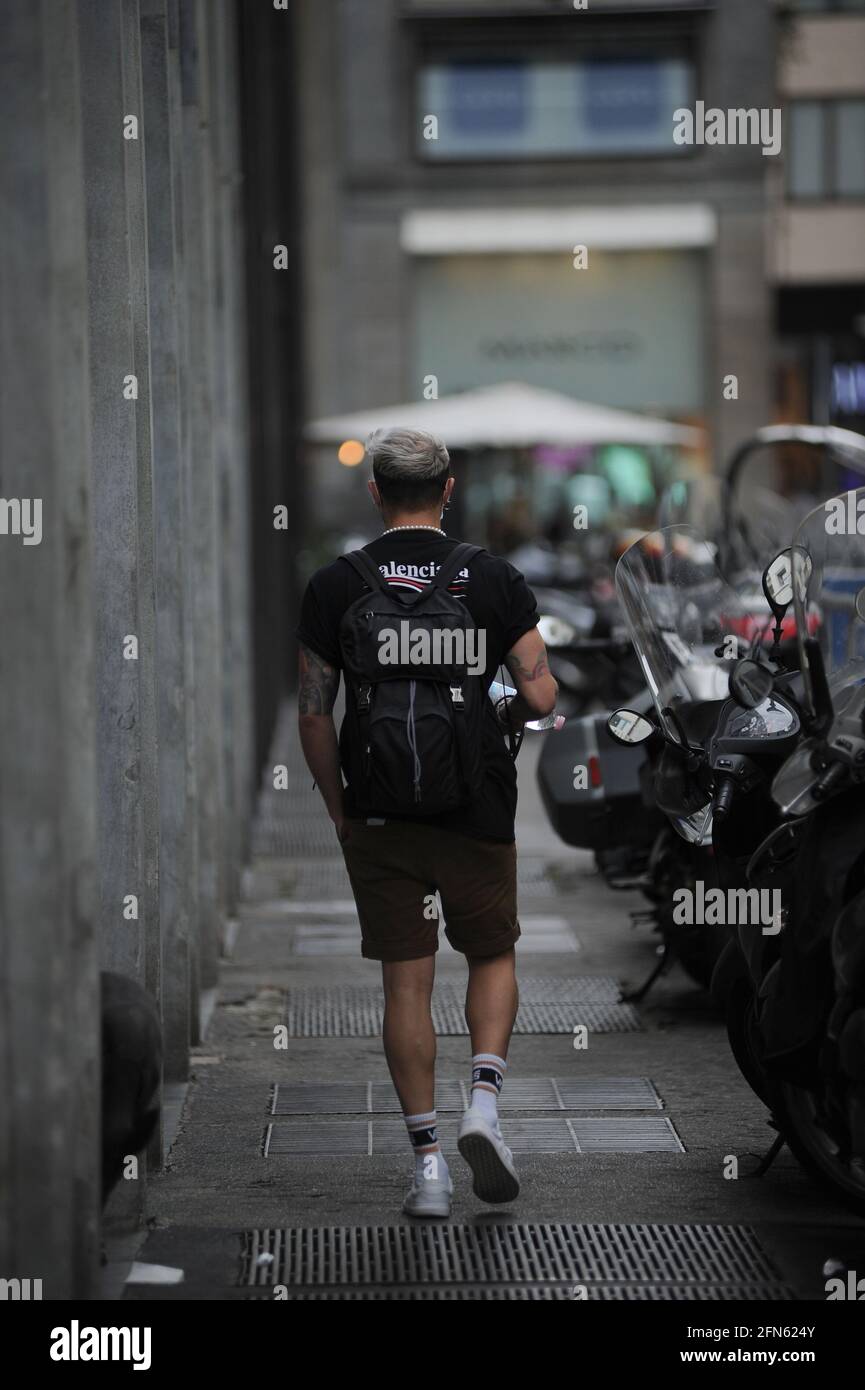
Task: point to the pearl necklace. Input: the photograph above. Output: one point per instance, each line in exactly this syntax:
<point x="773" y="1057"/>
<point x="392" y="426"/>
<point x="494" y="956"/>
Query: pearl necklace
<point x="391" y="529"/>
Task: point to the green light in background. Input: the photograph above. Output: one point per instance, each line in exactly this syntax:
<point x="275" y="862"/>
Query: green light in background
<point x="629" y="473"/>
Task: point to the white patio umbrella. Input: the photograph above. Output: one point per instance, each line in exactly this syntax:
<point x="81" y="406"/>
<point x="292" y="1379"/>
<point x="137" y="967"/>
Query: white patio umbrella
<point x="508" y="415"/>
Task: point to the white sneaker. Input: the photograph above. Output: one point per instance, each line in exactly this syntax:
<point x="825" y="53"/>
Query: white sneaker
<point x="490" y="1159"/>
<point x="429" y="1197"/>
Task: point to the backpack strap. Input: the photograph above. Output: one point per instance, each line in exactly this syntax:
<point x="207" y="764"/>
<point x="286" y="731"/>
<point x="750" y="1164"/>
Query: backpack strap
<point x="450" y="569"/>
<point x="368" y="571"/>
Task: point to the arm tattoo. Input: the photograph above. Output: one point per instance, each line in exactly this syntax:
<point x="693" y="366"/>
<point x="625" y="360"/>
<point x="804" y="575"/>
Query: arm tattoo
<point x="528" y="673"/>
<point x="319" y="683"/>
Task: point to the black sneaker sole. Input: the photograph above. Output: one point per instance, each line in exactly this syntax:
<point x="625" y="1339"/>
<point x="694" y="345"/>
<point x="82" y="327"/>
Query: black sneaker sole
<point x="492" y="1180"/>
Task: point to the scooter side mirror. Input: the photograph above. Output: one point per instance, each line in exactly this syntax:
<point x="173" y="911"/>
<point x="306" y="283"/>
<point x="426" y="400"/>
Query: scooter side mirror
<point x="628" y="727"/>
<point x="778" y="583"/>
<point x="789" y="567"/>
<point x="750" y="683"/>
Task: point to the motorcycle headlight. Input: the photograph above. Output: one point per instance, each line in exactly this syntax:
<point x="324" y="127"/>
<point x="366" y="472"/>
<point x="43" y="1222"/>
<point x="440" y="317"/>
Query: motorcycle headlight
<point x="555" y="631"/>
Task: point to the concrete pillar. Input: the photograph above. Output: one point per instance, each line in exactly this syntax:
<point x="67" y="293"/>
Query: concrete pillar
<point x="209" y="24"/>
<point x="186" y="550"/>
<point x="122" y="489"/>
<point x="49" y="994"/>
<point x="204" y="529"/>
<point x="232" y="438"/>
<point x="176" y="888"/>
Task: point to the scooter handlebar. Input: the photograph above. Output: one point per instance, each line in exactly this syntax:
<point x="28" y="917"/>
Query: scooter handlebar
<point x="723" y="798"/>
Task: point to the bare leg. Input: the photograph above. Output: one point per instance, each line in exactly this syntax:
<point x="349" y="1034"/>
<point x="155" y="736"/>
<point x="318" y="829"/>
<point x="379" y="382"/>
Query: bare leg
<point x="492" y="999"/>
<point x="407" y="1031"/>
<point x="491" y="1008"/>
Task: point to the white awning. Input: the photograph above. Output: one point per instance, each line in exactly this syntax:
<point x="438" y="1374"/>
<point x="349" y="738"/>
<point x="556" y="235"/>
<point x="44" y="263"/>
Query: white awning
<point x="509" y="415"/>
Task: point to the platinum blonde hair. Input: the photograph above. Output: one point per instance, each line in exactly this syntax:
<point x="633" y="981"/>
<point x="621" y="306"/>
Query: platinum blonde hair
<point x="408" y="456"/>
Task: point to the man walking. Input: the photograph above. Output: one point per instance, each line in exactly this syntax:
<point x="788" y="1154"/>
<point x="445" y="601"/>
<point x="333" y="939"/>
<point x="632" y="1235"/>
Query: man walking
<point x="427" y="814"/>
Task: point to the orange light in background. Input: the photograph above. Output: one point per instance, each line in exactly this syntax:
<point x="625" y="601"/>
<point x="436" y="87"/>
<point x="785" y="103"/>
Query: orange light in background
<point x="351" y="452"/>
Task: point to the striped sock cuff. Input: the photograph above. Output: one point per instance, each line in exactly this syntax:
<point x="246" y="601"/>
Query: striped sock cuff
<point x="491" y="1060"/>
<point x="422" y="1131"/>
<point x="488" y="1072"/>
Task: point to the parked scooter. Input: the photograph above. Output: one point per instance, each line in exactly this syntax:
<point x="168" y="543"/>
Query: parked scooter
<point x="798" y="1014"/>
<point x="774" y="775"/>
<point x="685" y="621"/>
<point x="615" y="811"/>
<point x="615" y="814"/>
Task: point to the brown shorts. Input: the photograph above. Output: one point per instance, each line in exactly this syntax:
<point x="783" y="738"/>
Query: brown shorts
<point x="395" y="871"/>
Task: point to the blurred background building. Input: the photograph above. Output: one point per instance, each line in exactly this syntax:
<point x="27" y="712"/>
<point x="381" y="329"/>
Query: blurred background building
<point x="450" y="251"/>
<point x="455" y="153"/>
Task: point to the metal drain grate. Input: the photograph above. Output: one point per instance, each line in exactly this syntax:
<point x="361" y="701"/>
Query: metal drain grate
<point x="607" y="1093"/>
<point x="537" y="1293"/>
<point x="618" y="1260"/>
<point x="355" y="1098"/>
<point x="563" y="1018"/>
<point x="520" y="1093"/>
<point x="550" y="1134"/>
<point x="542" y="989"/>
<point x="355" y="1011"/>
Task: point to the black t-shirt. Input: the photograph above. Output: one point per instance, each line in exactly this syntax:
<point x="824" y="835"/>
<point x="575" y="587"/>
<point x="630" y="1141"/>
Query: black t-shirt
<point x="499" y="600"/>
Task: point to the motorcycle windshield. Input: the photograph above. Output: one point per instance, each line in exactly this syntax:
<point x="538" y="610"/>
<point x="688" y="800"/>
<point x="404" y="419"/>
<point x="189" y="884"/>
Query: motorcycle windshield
<point x="828" y="582"/>
<point x="759" y="527"/>
<point x="682" y="617"/>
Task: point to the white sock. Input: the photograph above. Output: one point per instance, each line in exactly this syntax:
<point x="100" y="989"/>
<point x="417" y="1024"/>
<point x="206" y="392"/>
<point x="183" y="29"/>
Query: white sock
<point x="429" y="1161"/>
<point x="488" y="1074"/>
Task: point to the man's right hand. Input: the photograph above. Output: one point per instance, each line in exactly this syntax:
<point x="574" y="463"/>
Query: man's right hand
<point x="510" y="719"/>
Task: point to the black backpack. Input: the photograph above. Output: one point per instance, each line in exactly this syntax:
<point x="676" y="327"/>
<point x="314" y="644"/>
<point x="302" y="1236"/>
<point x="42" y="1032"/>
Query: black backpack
<point x="410" y="743"/>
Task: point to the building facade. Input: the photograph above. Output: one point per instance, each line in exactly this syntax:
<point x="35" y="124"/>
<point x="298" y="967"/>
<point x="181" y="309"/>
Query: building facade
<point x="456" y="156"/>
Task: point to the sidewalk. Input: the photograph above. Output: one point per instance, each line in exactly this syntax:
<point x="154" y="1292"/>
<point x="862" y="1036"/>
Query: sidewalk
<point x="291" y="1163"/>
